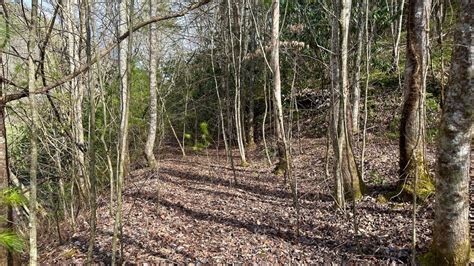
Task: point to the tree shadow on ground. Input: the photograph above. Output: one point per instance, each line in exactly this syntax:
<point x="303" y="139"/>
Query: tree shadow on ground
<point x="249" y="187"/>
<point x="254" y="228"/>
<point x="199" y="164"/>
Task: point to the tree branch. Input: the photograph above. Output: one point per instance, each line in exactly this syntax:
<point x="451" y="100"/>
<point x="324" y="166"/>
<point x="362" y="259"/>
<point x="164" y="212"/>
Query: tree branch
<point x="24" y="92"/>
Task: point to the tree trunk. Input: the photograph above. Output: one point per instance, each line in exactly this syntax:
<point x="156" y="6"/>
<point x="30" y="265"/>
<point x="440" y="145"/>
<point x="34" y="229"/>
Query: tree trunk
<point x="124" y="69"/>
<point x="77" y="89"/>
<point x="355" y="97"/>
<point x="412" y="123"/>
<point x="34" y="134"/>
<point x="282" y="165"/>
<point x="5" y="211"/>
<point x="237" y="64"/>
<point x="152" y="123"/>
<point x="334" y="62"/>
<point x="398" y="32"/>
<point x="91" y="84"/>
<point x="350" y="173"/>
<point x="5" y="256"/>
<point x="451" y="238"/>
<point x="251" y="118"/>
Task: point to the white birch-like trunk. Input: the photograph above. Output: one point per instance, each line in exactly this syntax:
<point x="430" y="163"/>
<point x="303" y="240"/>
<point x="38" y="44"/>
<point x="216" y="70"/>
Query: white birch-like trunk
<point x="278" y="109"/>
<point x="355" y="97"/>
<point x="152" y="123"/>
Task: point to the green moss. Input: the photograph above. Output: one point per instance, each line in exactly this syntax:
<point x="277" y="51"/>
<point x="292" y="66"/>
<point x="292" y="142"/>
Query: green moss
<point x="382" y="199"/>
<point x="426" y="259"/>
<point x="358" y="194"/>
<point x="461" y="256"/>
<point x="244" y="164"/>
<point x="279" y="171"/>
<point x="424" y="188"/>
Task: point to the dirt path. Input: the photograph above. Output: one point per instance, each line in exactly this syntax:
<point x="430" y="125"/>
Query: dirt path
<point x="190" y="211"/>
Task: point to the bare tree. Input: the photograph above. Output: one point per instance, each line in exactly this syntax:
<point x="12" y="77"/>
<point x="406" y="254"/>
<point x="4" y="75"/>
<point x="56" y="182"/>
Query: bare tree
<point x="125" y="13"/>
<point x="91" y="83"/>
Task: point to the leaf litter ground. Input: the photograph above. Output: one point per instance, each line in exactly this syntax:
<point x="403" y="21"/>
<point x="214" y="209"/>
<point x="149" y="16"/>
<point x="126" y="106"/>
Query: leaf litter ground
<point x="191" y="211"/>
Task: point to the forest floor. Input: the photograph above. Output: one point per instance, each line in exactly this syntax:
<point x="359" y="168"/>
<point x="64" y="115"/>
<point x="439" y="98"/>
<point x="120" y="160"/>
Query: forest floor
<point x="190" y="211"/>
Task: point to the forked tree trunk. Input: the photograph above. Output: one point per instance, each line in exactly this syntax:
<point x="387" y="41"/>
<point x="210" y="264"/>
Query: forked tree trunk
<point x="237" y="64"/>
<point x="397" y="35"/>
<point x="349" y="167"/>
<point x="412" y="123"/>
<point x="77" y="89"/>
<point x="333" y="127"/>
<point x="125" y="12"/>
<point x="451" y="238"/>
<point x="152" y="123"/>
<point x="346" y="177"/>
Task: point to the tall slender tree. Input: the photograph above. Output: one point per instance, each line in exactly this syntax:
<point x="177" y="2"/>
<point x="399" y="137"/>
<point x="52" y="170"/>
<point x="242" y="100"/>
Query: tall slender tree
<point x="125" y="21"/>
<point x="32" y="47"/>
<point x="5" y="256"/>
<point x="91" y="84"/>
<point x="398" y="9"/>
<point x="282" y="146"/>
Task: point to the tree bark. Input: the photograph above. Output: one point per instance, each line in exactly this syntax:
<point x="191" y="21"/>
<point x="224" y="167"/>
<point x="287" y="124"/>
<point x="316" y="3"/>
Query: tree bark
<point x="152" y="123"/>
<point x="4" y="183"/>
<point x="237" y="65"/>
<point x="124" y="70"/>
<point x="282" y="165"/>
<point x="77" y="95"/>
<point x="451" y="238"/>
<point x="34" y="133"/>
<point x="355" y="97"/>
<point x="397" y="35"/>
<point x="412" y="123"/>
<point x="91" y="84"/>
<point x="5" y="211"/>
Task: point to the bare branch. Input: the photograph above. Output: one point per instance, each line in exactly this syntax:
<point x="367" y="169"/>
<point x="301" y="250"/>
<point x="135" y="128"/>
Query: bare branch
<point x="24" y="92"/>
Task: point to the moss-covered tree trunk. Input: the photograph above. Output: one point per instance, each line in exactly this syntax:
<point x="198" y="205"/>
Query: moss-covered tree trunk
<point x="412" y="123"/>
<point x="451" y="239"/>
<point x="347" y="161"/>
